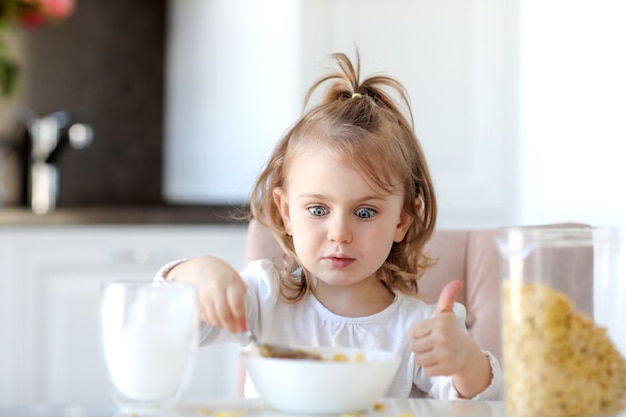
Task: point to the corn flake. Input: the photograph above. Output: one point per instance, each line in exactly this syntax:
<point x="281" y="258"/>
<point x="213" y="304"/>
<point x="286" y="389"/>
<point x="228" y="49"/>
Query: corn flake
<point x="564" y="365"/>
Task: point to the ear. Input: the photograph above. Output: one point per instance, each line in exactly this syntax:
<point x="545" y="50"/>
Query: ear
<point x="405" y="221"/>
<point x="281" y="201"/>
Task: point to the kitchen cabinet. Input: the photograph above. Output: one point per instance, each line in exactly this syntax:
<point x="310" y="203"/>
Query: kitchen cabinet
<point x="50" y="278"/>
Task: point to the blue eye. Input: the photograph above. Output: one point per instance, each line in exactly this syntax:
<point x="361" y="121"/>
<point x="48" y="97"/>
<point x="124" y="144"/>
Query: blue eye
<point x="317" y="211"/>
<point x="365" y="213"/>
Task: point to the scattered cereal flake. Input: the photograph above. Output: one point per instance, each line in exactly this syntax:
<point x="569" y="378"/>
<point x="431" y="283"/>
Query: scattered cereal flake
<point x="133" y="415"/>
<point x="352" y="415"/>
<point x="229" y="413"/>
<point x="379" y="406"/>
<point x="204" y="411"/>
<point x="340" y="357"/>
<point x="405" y="415"/>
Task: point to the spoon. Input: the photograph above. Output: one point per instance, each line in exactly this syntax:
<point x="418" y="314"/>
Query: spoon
<point x="275" y="351"/>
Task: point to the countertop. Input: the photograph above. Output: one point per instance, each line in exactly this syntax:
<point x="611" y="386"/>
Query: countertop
<point x="396" y="407"/>
<point x="165" y="214"/>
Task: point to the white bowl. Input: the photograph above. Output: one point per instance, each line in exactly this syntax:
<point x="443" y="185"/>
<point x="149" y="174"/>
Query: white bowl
<point x="323" y="387"/>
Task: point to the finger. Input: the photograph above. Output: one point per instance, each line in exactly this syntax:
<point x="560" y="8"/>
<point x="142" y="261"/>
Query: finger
<point x="426" y="360"/>
<point x="224" y="314"/>
<point x="439" y="368"/>
<point x="421" y="346"/>
<point x="434" y="369"/>
<point x="447" y="297"/>
<point x="421" y="328"/>
<point x="433" y="364"/>
<point x="235" y="297"/>
<point x="208" y="315"/>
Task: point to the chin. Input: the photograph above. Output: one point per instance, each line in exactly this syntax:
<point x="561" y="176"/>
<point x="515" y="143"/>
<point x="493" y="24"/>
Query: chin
<point x="340" y="278"/>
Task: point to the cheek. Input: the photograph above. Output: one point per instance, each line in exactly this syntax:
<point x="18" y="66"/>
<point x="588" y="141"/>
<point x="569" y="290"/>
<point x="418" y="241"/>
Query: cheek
<point x="304" y="248"/>
<point x="386" y="231"/>
<point x="304" y="236"/>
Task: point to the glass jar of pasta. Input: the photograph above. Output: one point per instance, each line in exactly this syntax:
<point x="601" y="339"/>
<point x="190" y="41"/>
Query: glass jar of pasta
<point x="564" y="320"/>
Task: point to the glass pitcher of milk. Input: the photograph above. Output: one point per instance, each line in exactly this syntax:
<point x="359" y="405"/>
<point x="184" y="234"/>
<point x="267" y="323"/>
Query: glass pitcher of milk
<point x="149" y="336"/>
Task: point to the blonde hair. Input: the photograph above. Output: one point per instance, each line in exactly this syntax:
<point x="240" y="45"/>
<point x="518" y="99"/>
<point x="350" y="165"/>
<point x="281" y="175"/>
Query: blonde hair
<point x="360" y="123"/>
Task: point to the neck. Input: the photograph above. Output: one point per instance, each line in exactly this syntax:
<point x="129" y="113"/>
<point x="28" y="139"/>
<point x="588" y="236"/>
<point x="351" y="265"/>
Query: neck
<point x="360" y="300"/>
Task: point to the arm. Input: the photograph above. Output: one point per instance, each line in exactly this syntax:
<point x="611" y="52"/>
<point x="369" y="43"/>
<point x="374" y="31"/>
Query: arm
<point x="221" y="291"/>
<point x="475" y="376"/>
<point x="441" y="347"/>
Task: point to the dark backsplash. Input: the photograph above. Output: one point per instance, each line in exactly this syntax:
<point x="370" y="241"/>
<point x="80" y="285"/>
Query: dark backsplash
<point x="106" y="59"/>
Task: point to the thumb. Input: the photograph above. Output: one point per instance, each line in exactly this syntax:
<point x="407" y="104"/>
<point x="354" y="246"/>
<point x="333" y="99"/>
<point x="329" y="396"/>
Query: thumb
<point x="447" y="296"/>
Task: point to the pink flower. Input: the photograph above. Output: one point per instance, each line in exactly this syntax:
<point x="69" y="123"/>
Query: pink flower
<point x="29" y="14"/>
<point x="34" y="13"/>
<point x="31" y="19"/>
<point x="57" y="9"/>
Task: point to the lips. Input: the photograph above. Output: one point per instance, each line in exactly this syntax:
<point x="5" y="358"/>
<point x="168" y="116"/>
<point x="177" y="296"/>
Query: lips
<point x="338" y="261"/>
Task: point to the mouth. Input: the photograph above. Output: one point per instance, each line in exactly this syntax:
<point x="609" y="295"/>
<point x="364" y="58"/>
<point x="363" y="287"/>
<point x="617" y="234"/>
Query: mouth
<point x="338" y="261"/>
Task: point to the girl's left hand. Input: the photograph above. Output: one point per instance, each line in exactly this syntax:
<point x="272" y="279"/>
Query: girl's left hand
<point x="440" y="345"/>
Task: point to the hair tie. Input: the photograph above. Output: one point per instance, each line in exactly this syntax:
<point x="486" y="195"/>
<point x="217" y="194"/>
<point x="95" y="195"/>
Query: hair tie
<point x="356" y="95"/>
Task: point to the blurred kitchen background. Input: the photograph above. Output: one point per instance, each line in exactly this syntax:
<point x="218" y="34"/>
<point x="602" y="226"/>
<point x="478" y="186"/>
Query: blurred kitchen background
<point x="520" y="107"/>
<point x="105" y="61"/>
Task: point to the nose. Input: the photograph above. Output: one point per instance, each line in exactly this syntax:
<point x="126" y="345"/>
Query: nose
<point x="339" y="230"/>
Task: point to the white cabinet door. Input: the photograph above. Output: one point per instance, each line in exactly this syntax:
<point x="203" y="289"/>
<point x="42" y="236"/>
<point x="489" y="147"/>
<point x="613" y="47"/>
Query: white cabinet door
<point x="53" y="297"/>
<point x="8" y="323"/>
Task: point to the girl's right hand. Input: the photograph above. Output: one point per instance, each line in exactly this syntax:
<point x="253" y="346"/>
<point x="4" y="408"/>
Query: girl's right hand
<point x="221" y="291"/>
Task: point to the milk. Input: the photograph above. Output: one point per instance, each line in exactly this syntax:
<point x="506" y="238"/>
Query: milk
<point x="150" y="338"/>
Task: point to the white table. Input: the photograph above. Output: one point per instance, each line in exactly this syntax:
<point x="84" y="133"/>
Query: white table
<point x="254" y="408"/>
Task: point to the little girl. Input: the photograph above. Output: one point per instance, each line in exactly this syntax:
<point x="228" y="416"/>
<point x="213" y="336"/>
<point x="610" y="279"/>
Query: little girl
<point x="349" y="197"/>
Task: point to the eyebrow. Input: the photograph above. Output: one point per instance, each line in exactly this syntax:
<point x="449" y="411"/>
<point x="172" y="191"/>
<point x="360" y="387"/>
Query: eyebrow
<point x="323" y="197"/>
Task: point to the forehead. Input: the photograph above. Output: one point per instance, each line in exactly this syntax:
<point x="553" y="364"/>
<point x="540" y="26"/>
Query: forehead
<point x="378" y="160"/>
<point x="321" y="171"/>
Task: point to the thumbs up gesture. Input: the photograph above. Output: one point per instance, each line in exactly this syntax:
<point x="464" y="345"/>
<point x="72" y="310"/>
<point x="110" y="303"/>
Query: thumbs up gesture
<point x="445" y="304"/>
<point x="440" y="345"/>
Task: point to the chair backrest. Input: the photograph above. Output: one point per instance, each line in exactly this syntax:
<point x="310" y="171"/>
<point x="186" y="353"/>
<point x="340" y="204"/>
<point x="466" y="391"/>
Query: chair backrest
<point x="470" y="256"/>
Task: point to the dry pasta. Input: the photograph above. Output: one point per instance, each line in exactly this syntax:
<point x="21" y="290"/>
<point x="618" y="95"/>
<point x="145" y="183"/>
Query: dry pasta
<point x="558" y="362"/>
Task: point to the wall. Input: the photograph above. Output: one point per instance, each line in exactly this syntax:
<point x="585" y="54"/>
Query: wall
<point x="232" y="73"/>
<point x="519" y="105"/>
<point x="106" y="60"/>
<point x="456" y="58"/>
<point x="573" y="108"/>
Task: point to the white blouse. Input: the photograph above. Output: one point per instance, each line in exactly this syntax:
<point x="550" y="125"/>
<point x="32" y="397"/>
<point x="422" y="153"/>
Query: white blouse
<point x="308" y="323"/>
